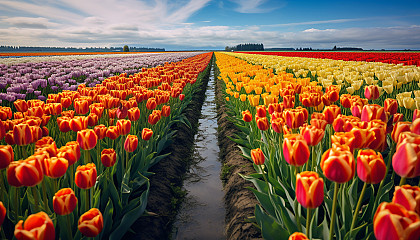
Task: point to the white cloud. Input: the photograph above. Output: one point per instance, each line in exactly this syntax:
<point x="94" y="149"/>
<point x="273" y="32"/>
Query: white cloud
<point x="251" y="6"/>
<point x="29" y="22"/>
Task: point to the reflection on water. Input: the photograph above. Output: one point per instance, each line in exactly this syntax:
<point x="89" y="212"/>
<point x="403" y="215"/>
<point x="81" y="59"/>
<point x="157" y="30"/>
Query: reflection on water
<point x="202" y="213"/>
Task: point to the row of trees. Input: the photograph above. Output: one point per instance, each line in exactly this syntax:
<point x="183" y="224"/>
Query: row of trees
<point x="246" y="47"/>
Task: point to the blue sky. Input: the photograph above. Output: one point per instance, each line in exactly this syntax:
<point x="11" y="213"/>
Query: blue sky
<point x="210" y="24"/>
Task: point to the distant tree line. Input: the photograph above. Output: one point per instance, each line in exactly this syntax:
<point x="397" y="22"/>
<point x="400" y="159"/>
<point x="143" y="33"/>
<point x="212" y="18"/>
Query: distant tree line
<point x="246" y="47"/>
<point x="74" y="49"/>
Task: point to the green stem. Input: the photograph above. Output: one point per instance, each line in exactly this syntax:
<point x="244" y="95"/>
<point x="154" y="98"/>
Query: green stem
<point x="359" y="204"/>
<point x="2" y="187"/>
<point x="16" y="200"/>
<point x="87" y="200"/>
<point x="298" y="216"/>
<point x="3" y="235"/>
<point x="87" y="156"/>
<point x="69" y="224"/>
<point x="44" y="195"/>
<point x="334" y="208"/>
<point x="36" y="198"/>
<point x="388" y="165"/>
<point x="308" y="222"/>
<point x="402" y="181"/>
<point x="72" y="177"/>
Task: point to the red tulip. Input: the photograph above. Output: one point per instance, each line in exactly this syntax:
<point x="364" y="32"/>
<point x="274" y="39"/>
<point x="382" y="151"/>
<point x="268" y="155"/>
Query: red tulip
<point x="295" y="149"/>
<point x="408" y="196"/>
<point x="319" y="123"/>
<point x="81" y="106"/>
<point x="344" y="138"/>
<point x="100" y="131"/>
<point x="68" y="153"/>
<point x="22" y="134"/>
<point x="6" y="156"/>
<point x="415" y="126"/>
<point x="370" y="166"/>
<point x="309" y="189"/>
<point x="134" y="114"/>
<point x="399" y="128"/>
<point x="166" y="111"/>
<point x="391" y="106"/>
<point x="55" y="167"/>
<point x="153" y="119"/>
<point x="246" y="116"/>
<point x="64" y="201"/>
<point x="124" y="126"/>
<point x="379" y="128"/>
<point x="131" y="143"/>
<point x="262" y="123"/>
<point x="373" y="111"/>
<point x="113" y="132"/>
<point x="261" y="111"/>
<point x="91" y="223"/>
<point x="298" y="236"/>
<point x="98" y="110"/>
<point x="277" y="125"/>
<point x="2" y="213"/>
<point x="65" y="102"/>
<point x="92" y="119"/>
<point x="416" y="114"/>
<point x="345" y="100"/>
<point x="331" y="112"/>
<point x="181" y="97"/>
<point x="87" y="139"/>
<point x="338" y="164"/>
<point x="362" y="137"/>
<point x="312" y="135"/>
<point x="37" y="226"/>
<point x="257" y="156"/>
<point x="36" y="111"/>
<point x="289" y="101"/>
<point x="26" y="172"/>
<point x="64" y="124"/>
<point x="393" y="221"/>
<point x="146" y="134"/>
<point x="295" y="118"/>
<point x="78" y="123"/>
<point x="406" y="160"/>
<point x="151" y="103"/>
<point x="76" y="148"/>
<point x="85" y="176"/>
<point x="108" y="157"/>
<point x="372" y="92"/>
<point x="122" y="112"/>
<point x="21" y="105"/>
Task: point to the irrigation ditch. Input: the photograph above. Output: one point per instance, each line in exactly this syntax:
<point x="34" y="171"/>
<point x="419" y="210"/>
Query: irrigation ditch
<point x="196" y="192"/>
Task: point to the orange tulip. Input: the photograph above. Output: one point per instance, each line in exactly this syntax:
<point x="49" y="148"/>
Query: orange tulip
<point x="2" y="213"/>
<point x="55" y="167"/>
<point x="277" y="125"/>
<point x="92" y="119"/>
<point x="373" y="111"/>
<point x="319" y="123"/>
<point x="289" y="101"/>
<point x="345" y="100"/>
<point x="408" y="196"/>
<point x="87" y="139"/>
<point x="28" y="172"/>
<point x="166" y="111"/>
<point x="37" y="226"/>
<point x="261" y="111"/>
<point x="151" y="103"/>
<point x="379" y="128"/>
<point x="399" y="128"/>
<point x="415" y="126"/>
<point x="22" y="134"/>
<point x="65" y="102"/>
<point x="91" y="223"/>
<point x="416" y="114"/>
<point x="69" y="113"/>
<point x="257" y="156"/>
<point x="312" y="135"/>
<point x="370" y="166"/>
<point x="78" y="123"/>
<point x="68" y="153"/>
<point x="76" y="148"/>
<point x="6" y="156"/>
<point x="406" y="160"/>
<point x="131" y="143"/>
<point x="362" y="137"/>
<point x="298" y="236"/>
<point x="338" y="164"/>
<point x="371" y="92"/>
<point x="100" y="131"/>
<point x="113" y="132"/>
<point x="122" y="112"/>
<point x="153" y="119"/>
<point x="108" y="157"/>
<point x="124" y="126"/>
<point x="134" y="114"/>
<point x="146" y="134"/>
<point x="21" y="105"/>
<point x="295" y="149"/>
<point x="274" y="107"/>
<point x="85" y="176"/>
<point x="36" y="111"/>
<point x="393" y="221"/>
<point x="309" y="189"/>
<point x="246" y="116"/>
<point x="64" y="201"/>
<point x="262" y="123"/>
<point x="391" y="106"/>
<point x="98" y="110"/>
<point x="331" y="113"/>
<point x="81" y="106"/>
<point x="64" y="124"/>
<point x="344" y="138"/>
<point x="112" y="113"/>
<point x="295" y="118"/>
<point x="356" y="110"/>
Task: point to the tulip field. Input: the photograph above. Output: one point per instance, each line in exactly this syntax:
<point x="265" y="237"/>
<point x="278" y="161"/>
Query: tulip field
<point x="78" y="137"/>
<point x="334" y="139"/>
<point x="335" y="144"/>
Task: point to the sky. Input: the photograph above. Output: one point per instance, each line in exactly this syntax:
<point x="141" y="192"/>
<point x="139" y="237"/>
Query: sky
<point x="210" y="24"/>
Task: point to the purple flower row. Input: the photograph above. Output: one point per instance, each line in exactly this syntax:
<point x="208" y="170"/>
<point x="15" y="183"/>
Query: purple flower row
<point x="38" y="79"/>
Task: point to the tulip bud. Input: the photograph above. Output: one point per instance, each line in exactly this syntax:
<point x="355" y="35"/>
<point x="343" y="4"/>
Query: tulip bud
<point x="295" y="149"/>
<point x="78" y="123"/>
<point x="26" y="172"/>
<point x="131" y="143"/>
<point x="108" y="157"/>
<point x="92" y="119"/>
<point x="406" y="158"/>
<point x="289" y="101"/>
<point x="309" y="189"/>
<point x="85" y="176"/>
<point x="246" y="116"/>
<point x="55" y="167"/>
<point x="21" y="105"/>
<point x="64" y="201"/>
<point x="312" y="135"/>
<point x="408" y="196"/>
<point x="146" y="134"/>
<point x="124" y="126"/>
<point x="257" y="156"/>
<point x="22" y="134"/>
<point x="37" y="226"/>
<point x="91" y="223"/>
<point x="372" y="92"/>
<point x="331" y="112"/>
<point x="391" y="106"/>
<point x="65" y="102"/>
<point x="6" y="156"/>
<point x="134" y="114"/>
<point x="81" y="106"/>
<point x="64" y="124"/>
<point x="362" y="137"/>
<point x="113" y="132"/>
<point x="393" y="221"/>
<point x="100" y="131"/>
<point x="261" y="111"/>
<point x="87" y="139"/>
<point x="370" y="166"/>
<point x="338" y="164"/>
<point x="262" y="123"/>
<point x="166" y="111"/>
<point x="151" y="103"/>
<point x="153" y="119"/>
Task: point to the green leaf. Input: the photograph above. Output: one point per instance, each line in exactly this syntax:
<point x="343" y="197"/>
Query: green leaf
<point x="265" y="201"/>
<point x="270" y="229"/>
<point x="125" y="188"/>
<point x="107" y="215"/>
<point x="246" y="152"/>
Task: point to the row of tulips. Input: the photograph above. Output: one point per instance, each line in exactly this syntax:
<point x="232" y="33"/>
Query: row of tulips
<point x="76" y="165"/>
<point x="308" y="141"/>
<point x="405" y="58"/>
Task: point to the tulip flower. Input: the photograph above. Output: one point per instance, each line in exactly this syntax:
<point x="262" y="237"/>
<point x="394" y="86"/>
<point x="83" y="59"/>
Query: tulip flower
<point x="379" y="128"/>
<point x="113" y="132"/>
<point x="356" y="110"/>
<point x="416" y="114"/>
<point x="373" y="111"/>
<point x="124" y="126"/>
<point x="181" y="97"/>
<point x="78" y="123"/>
<point x="55" y="167"/>
<point x="275" y="107"/>
<point x="312" y="135"/>
<point x="85" y="176"/>
<point x="345" y="100"/>
<point x="408" y="196"/>
<point x="166" y="111"/>
<point x="262" y="123"/>
<point x="134" y="114"/>
<point x="331" y="112"/>
<point x="81" y="106"/>
<point x="393" y="221"/>
<point x="151" y="103"/>
<point x="131" y="143"/>
<point x="399" y="128"/>
<point x="100" y="131"/>
<point x="22" y="134"/>
<point x="261" y="111"/>
<point x="298" y="236"/>
<point x="76" y="149"/>
<point x="65" y="102"/>
<point x="391" y="106"/>
<point x="254" y="100"/>
<point x="6" y="156"/>
<point x="122" y="112"/>
<point x="68" y="153"/>
<point x="37" y="226"/>
<point x="146" y="134"/>
<point x="370" y="166"/>
<point x="92" y="119"/>
<point x="319" y="123"/>
<point x="338" y="164"/>
<point x="257" y="156"/>
<point x="309" y="189"/>
<point x="91" y="223"/>
<point x="372" y="92"/>
<point x="295" y="149"/>
<point x="26" y="172"/>
<point x="246" y="116"/>
<point x="87" y="139"/>
<point x="295" y="118"/>
<point x="344" y="138"/>
<point x="406" y="160"/>
<point x="108" y="157"/>
<point x="64" y="123"/>
<point x="277" y="125"/>
<point x="153" y="119"/>
<point x="21" y="105"/>
<point x="289" y="101"/>
<point x="2" y="213"/>
<point x="415" y="126"/>
<point x="362" y="137"/>
<point x="64" y="201"/>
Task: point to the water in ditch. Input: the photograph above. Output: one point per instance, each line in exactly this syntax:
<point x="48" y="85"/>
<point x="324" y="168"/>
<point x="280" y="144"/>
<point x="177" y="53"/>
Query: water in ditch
<point x="201" y="215"/>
